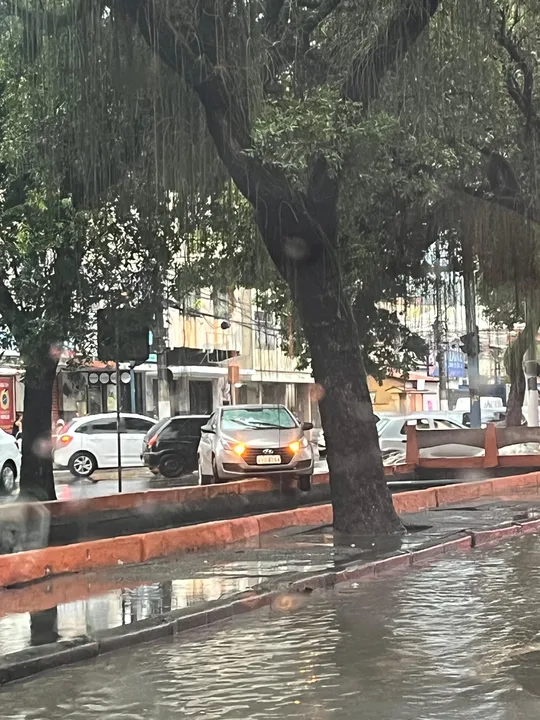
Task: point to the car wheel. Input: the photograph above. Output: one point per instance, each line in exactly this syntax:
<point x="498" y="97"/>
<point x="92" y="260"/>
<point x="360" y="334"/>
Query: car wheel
<point x="304" y="483"/>
<point x="203" y="479"/>
<point x="172" y="465"/>
<point x="8" y="478"/>
<point x="82" y="464"/>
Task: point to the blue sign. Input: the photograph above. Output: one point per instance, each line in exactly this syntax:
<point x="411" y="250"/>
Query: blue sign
<point x="455" y="365"/>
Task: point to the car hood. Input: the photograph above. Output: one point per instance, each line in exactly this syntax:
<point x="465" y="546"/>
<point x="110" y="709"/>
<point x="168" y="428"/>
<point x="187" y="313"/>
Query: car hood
<point x="263" y="438"/>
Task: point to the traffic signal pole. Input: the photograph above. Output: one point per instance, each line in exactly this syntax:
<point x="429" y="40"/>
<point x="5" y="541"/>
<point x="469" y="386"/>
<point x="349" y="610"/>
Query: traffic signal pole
<point x="439" y="328"/>
<point x="164" y="398"/>
<point x="472" y="346"/>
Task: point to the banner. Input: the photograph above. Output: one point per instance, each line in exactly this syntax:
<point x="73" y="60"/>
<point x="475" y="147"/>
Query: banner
<point x="7" y="403"/>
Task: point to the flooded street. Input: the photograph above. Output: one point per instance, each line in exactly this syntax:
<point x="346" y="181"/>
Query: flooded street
<point x="457" y="639"/>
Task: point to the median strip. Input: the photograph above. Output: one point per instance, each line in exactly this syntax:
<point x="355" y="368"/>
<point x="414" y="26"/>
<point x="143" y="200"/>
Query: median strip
<point x="34" y="565"/>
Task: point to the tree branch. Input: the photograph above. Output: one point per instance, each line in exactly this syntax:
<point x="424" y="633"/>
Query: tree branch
<point x="391" y="45"/>
<point x="522" y="95"/>
<point x="8" y="307"/>
<point x="294" y="41"/>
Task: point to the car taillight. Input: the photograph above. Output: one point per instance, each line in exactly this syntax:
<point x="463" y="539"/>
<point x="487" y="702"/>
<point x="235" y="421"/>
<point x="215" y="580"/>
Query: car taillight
<point x="152" y="441"/>
<point x="64" y="440"/>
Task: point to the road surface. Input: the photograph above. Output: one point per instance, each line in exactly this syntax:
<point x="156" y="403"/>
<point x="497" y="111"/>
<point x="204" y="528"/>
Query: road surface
<point x="135" y="480"/>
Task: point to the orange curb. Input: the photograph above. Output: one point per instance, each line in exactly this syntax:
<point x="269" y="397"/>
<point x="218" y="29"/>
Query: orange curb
<point x="37" y="564"/>
<point x="415" y="501"/>
<point x="168" y="496"/>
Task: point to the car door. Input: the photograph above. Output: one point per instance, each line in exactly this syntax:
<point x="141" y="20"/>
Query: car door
<point x="134" y="431"/>
<point x="8" y="450"/>
<point x="99" y="438"/>
<point x="206" y="446"/>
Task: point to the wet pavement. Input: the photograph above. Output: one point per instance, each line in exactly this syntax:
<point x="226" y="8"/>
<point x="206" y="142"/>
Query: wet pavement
<point x="135" y="480"/>
<point x="454" y="640"/>
<point x="75" y="605"/>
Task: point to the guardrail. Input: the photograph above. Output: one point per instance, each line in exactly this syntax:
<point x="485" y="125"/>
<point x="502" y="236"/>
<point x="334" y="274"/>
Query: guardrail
<point x="491" y="440"/>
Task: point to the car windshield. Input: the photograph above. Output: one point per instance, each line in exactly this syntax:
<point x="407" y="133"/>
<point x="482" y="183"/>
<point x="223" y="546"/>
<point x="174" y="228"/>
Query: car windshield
<point x="258" y="418"/>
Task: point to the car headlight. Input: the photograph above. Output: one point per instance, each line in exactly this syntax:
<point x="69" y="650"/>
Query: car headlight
<point x="233" y="446"/>
<point x="297" y="444"/>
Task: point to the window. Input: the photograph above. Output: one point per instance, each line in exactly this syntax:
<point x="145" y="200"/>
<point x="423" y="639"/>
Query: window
<point x="267" y="334"/>
<point x="258" y="418"/>
<point x="445" y="425"/>
<point x="98" y="426"/>
<point x="137" y="425"/>
<point x="222" y="306"/>
<point x="421" y="424"/>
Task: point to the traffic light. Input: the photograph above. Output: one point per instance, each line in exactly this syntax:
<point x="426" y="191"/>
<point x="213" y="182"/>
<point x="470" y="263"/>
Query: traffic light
<point x="122" y="335"/>
<point x="469" y="344"/>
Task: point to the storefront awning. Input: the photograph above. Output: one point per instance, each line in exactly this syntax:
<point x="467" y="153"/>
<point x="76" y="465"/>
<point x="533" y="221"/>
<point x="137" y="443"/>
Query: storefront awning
<point x="202" y="372"/>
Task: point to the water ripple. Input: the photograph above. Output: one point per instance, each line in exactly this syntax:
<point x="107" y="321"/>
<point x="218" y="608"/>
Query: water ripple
<point x="459" y="639"/>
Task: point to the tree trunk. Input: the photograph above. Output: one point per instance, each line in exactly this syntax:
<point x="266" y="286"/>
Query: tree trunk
<point x="513" y="361"/>
<point x="37" y="479"/>
<point x="516" y="396"/>
<point x="361" y="500"/>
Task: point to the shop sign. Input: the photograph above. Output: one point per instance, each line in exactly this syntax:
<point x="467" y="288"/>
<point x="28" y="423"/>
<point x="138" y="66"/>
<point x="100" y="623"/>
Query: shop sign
<point x="7" y="402"/>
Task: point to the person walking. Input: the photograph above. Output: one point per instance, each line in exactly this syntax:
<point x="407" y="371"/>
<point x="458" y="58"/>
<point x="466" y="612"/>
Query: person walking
<point x="17" y="425"/>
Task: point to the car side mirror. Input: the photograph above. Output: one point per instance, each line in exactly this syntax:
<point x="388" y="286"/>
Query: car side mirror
<point x="208" y="429"/>
<point x="307" y="426"/>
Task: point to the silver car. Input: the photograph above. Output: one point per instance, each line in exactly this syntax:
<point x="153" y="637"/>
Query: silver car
<point x="392" y="431"/>
<point x="254" y="440"/>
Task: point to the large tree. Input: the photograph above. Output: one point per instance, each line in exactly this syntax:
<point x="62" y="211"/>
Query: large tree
<point x="235" y="57"/>
<point x="231" y="66"/>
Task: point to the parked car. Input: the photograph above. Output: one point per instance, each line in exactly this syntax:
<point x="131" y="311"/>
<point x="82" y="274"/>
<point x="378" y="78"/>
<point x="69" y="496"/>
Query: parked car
<point x="392" y="430"/>
<point x="88" y="443"/>
<point x="492" y="409"/>
<point x="170" y="446"/>
<point x="10" y="463"/>
<point x="252" y="440"/>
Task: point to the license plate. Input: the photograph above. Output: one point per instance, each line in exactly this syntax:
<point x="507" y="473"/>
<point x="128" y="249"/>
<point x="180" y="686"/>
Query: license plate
<point x="268" y="459"/>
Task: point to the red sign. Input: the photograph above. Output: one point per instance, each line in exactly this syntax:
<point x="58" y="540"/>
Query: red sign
<point x="7" y="402"/>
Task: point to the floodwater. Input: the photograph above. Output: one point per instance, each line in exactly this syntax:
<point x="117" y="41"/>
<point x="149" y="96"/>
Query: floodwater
<point x="455" y="640"/>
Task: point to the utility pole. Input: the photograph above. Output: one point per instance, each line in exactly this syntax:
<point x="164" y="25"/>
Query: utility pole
<point x="164" y="399"/>
<point x="531" y="375"/>
<point x="439" y="329"/>
<point x="471" y="340"/>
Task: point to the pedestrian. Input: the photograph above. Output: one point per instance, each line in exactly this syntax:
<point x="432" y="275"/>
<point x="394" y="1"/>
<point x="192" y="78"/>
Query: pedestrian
<point x="17" y="425"/>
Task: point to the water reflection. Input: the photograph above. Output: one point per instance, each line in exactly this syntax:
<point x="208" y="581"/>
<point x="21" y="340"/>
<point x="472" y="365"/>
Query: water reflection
<point x="44" y="627"/>
<point x="118" y="607"/>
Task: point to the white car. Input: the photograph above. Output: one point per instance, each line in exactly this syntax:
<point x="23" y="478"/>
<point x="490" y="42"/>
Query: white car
<point x="88" y="443"/>
<point x="392" y="430"/>
<point x="10" y="463"/>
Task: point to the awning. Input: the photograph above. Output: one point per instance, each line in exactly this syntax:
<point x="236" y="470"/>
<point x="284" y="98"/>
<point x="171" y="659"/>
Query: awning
<point x="202" y="372"/>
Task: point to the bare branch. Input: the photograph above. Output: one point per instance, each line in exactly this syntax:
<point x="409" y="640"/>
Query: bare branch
<point x="391" y="45"/>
